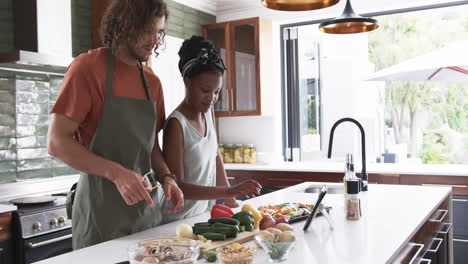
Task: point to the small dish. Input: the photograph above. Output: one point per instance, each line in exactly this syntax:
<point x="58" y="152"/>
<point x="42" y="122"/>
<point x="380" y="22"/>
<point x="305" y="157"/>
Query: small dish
<point x="164" y="250"/>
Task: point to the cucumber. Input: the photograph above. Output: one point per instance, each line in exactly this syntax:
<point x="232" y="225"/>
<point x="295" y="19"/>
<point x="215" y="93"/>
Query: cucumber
<point x="224" y="220"/>
<point x="214" y="236"/>
<point x="228" y="231"/>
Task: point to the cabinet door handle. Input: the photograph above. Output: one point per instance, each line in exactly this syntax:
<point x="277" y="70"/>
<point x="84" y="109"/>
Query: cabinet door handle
<point x="460" y="200"/>
<point x="420" y="248"/>
<point x="445" y="185"/>
<point x="444" y="213"/>
<point x="440" y="240"/>
<point x="425" y="261"/>
<point x="460" y="240"/>
<point x="445" y="228"/>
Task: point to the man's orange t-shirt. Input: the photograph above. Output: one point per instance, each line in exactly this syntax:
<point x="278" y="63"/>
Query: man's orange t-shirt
<point x="84" y="88"/>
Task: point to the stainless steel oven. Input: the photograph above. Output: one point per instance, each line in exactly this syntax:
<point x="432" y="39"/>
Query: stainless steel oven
<point x="41" y="230"/>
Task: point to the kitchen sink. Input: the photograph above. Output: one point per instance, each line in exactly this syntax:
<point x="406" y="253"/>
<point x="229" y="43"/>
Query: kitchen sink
<point x="330" y="189"/>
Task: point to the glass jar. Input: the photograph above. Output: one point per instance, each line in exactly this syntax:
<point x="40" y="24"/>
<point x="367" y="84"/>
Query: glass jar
<point x="228" y="153"/>
<point x="238" y="151"/>
<point x="221" y="150"/>
<point x="251" y="153"/>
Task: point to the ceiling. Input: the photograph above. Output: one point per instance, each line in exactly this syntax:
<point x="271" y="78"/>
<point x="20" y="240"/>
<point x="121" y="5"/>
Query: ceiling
<point x="234" y="9"/>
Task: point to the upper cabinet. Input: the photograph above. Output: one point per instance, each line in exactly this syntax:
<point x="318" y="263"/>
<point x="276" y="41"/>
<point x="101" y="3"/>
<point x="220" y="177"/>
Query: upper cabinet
<point x="239" y="43"/>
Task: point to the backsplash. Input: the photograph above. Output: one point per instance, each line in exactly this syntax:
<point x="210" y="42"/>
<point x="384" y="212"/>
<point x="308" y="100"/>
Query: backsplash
<point x="25" y="103"/>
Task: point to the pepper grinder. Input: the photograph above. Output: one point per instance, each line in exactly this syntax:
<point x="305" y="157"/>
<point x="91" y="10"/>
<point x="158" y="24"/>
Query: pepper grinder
<point x="353" y="202"/>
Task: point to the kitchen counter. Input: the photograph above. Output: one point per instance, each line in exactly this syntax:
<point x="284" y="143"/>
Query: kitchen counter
<point x="378" y="168"/>
<point x="391" y="216"/>
<point x="7" y="208"/>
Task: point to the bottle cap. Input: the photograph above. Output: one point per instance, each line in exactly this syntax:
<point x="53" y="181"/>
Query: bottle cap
<point x="353" y="186"/>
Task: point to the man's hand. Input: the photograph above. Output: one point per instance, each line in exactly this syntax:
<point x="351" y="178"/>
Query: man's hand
<point x="231" y="202"/>
<point x="131" y="186"/>
<point x="247" y="188"/>
<point x="173" y="193"/>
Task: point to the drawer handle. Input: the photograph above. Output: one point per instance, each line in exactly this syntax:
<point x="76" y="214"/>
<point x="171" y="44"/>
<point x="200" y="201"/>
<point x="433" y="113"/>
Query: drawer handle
<point x="445" y="228"/>
<point x="420" y="246"/>
<point x="425" y="261"/>
<point x="1" y="228"/>
<point x="445" y="185"/>
<point x="437" y="247"/>
<point x="444" y="213"/>
<point x="231" y="178"/>
<point x="460" y="240"/>
<point x="460" y="200"/>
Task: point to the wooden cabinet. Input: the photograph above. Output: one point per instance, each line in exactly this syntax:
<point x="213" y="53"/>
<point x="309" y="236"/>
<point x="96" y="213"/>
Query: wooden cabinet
<point x="282" y="179"/>
<point x="459" y="184"/>
<point x="6" y="248"/>
<point x="431" y="242"/>
<point x="241" y="44"/>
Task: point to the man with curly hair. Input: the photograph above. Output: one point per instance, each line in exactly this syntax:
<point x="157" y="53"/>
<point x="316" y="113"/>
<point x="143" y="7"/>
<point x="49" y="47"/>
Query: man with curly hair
<point x="105" y="124"/>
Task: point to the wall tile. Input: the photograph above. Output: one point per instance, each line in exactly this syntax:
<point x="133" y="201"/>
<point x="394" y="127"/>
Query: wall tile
<point x="6" y="177"/>
<point x="7" y="155"/>
<point x="64" y="171"/>
<point x="32" y="174"/>
<point x="31" y="142"/>
<point x="23" y="119"/>
<point x="31" y="108"/>
<point x="7" y="120"/>
<point x="30" y="97"/>
<point x="7" y="166"/>
<point x="7" y="96"/>
<point x="25" y="165"/>
<point x="7" y="131"/>
<point x="32" y="153"/>
<point x="7" y="84"/>
<point x="7" y="143"/>
<point x="7" y="108"/>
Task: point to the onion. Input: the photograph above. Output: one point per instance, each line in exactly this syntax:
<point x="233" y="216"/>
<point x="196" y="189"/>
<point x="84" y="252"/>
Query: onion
<point x="267" y="222"/>
<point x="282" y="220"/>
<point x="184" y="231"/>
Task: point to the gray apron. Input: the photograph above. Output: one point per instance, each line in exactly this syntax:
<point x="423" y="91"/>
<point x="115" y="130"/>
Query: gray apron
<point x="125" y="135"/>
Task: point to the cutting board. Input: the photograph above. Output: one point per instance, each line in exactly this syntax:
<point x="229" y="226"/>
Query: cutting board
<point x="241" y="238"/>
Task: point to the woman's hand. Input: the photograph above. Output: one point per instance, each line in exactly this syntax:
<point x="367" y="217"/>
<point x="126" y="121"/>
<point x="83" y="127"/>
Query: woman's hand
<point x="131" y="186"/>
<point x="247" y="188"/>
<point x="173" y="194"/>
<point x="231" y="202"/>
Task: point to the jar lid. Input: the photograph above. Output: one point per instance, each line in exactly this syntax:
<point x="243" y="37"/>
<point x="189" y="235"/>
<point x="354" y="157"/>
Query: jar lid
<point x="221" y="145"/>
<point x="229" y="145"/>
<point x="239" y="145"/>
<point x="251" y="145"/>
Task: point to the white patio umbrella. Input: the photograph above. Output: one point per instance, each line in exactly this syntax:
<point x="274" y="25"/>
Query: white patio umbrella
<point x="447" y="64"/>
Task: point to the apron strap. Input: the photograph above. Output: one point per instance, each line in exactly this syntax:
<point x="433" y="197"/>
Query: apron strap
<point x="145" y="82"/>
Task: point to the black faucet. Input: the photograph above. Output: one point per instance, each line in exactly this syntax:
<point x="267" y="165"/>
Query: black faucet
<point x="363" y="147"/>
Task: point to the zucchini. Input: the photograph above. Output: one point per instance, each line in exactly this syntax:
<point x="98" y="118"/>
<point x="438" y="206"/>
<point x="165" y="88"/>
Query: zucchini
<point x="242" y="228"/>
<point x="224" y="220"/>
<point x="233" y="227"/>
<point x="228" y="231"/>
<point x="214" y="236"/>
<point x="197" y="230"/>
<point x="202" y="224"/>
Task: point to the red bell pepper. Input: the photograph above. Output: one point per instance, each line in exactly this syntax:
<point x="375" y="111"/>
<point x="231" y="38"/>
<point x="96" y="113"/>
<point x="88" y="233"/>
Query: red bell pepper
<point x="220" y="210"/>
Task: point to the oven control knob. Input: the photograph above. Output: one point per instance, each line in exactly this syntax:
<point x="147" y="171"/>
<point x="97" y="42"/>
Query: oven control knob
<point x="36" y="226"/>
<point x="53" y="222"/>
<point x="62" y="220"/>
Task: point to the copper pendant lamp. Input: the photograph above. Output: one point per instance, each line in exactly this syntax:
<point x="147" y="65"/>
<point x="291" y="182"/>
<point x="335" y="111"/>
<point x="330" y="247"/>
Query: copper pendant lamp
<point x="298" y="5"/>
<point x="348" y="23"/>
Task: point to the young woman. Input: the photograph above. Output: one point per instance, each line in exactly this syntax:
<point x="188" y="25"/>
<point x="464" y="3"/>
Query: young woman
<point x="190" y="146"/>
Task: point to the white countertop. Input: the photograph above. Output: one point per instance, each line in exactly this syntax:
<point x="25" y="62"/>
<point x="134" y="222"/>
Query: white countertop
<point x="7" y="208"/>
<point x="380" y="168"/>
<point x="391" y="215"/>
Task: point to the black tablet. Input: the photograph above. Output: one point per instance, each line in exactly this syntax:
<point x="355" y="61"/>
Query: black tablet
<point x="316" y="206"/>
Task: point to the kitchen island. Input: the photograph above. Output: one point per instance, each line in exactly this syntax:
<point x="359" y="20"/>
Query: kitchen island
<point x="399" y="222"/>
